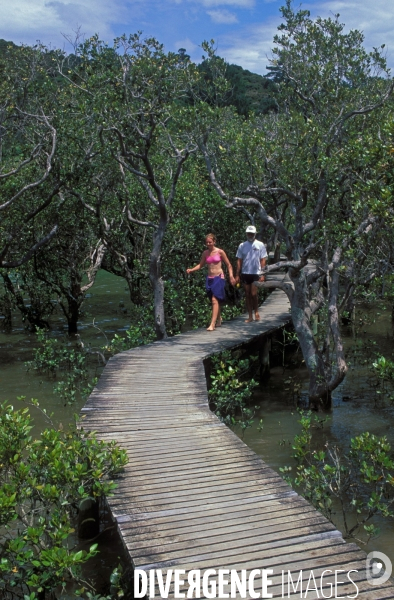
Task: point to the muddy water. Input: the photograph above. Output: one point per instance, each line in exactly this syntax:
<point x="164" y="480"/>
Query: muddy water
<point x="356" y="407"/>
<point x="104" y="314"/>
<point x="354" y="402"/>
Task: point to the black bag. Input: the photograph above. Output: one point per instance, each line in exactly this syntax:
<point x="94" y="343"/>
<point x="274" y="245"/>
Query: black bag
<point x="233" y="294"/>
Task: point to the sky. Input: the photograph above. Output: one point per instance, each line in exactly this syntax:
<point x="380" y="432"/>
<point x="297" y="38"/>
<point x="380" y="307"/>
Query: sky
<point x="242" y="29"/>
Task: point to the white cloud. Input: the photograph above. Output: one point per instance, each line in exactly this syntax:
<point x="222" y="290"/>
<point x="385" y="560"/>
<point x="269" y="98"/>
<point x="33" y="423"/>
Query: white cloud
<point x="27" y="21"/>
<point x="251" y="48"/>
<point x="222" y="16"/>
<point x="375" y="19"/>
<point x="235" y="3"/>
<point x="187" y="44"/>
<point x="238" y="3"/>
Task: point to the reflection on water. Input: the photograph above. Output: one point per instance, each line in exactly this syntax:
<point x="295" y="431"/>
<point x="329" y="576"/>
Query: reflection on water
<point x="354" y="410"/>
<point x="354" y="407"/>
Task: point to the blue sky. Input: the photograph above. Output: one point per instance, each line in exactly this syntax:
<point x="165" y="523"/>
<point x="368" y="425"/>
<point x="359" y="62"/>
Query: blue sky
<point x="242" y="29"/>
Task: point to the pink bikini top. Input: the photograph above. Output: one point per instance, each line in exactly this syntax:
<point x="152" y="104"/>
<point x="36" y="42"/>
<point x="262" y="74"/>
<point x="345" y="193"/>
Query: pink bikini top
<point x="213" y="258"/>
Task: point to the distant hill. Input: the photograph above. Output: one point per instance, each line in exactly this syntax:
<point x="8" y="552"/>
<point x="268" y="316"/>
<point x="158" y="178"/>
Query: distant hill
<point x="4" y="45"/>
<point x="251" y="92"/>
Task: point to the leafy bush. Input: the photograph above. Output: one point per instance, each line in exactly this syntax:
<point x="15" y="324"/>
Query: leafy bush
<point x="230" y="391"/>
<point x="51" y="356"/>
<point x="383" y="369"/>
<point x="359" y="483"/>
<point x="135" y="335"/>
<point x="42" y="483"/>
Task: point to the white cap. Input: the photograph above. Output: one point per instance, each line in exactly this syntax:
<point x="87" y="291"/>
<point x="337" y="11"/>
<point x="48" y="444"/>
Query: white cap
<point x="251" y="229"/>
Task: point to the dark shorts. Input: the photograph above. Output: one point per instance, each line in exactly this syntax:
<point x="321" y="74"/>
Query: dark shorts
<point x="215" y="286"/>
<point x="248" y="278"/>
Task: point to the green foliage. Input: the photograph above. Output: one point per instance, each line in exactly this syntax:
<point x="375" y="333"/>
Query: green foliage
<point x="230" y="390"/>
<point x="29" y="181"/>
<point x="383" y="369"/>
<point x="248" y="92"/>
<point x="30" y="297"/>
<point x="311" y="176"/>
<point x="42" y="482"/>
<point x="136" y="335"/>
<point x="251" y="93"/>
<point x="51" y="357"/>
<point x="289" y="339"/>
<point x="358" y="484"/>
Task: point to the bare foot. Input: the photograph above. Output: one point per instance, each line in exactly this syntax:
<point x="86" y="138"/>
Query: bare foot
<point x="219" y="323"/>
<point x="249" y="320"/>
<point x="211" y="328"/>
<point x="256" y="317"/>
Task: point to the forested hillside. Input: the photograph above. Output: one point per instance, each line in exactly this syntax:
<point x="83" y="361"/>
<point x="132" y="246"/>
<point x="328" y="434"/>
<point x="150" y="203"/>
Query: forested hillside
<point x="248" y="92"/>
<point x="123" y="157"/>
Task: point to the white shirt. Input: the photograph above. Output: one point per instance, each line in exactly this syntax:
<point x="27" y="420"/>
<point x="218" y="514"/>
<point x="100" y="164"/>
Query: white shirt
<point x="251" y="253"/>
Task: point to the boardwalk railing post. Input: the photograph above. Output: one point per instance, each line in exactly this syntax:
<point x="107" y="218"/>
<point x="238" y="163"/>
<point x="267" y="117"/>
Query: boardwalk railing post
<point x="88" y="518"/>
<point x="194" y="497"/>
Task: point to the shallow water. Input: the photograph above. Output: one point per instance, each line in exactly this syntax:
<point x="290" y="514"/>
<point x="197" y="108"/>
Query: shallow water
<point x="354" y="408"/>
<point x="104" y="314"/>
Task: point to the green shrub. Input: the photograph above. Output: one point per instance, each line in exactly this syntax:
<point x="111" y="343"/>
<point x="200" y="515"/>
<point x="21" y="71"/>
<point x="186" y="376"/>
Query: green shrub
<point x="230" y="390"/>
<point x="42" y="482"/>
<point x="358" y="484"/>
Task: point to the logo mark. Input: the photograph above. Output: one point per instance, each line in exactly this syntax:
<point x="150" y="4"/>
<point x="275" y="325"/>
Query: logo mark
<point x="379" y="568"/>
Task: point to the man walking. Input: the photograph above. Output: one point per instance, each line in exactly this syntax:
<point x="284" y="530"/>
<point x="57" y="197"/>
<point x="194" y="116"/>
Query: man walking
<point x="251" y="258"/>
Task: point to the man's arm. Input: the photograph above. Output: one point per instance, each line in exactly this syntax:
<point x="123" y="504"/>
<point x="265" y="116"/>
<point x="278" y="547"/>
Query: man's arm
<point x="263" y="262"/>
<point x="238" y="270"/>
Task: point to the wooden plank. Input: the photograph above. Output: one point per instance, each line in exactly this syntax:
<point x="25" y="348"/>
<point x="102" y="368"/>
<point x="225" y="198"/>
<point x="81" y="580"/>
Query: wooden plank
<point x="233" y="559"/>
<point x="182" y="531"/>
<point x="125" y="512"/>
<point x="207" y="481"/>
<point x="216" y="517"/>
<point x="193" y="495"/>
<point x="174" y="502"/>
<point x="181" y="547"/>
<point x="216" y="466"/>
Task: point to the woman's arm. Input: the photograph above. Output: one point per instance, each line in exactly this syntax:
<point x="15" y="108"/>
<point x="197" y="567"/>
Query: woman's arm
<point x="228" y="265"/>
<point x="200" y="265"/>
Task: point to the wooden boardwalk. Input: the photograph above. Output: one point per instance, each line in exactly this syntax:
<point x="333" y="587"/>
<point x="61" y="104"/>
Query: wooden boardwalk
<point x="193" y="495"/>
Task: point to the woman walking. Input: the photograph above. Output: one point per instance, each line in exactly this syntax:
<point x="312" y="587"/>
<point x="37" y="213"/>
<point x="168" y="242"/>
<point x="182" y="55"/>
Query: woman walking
<point x="212" y="257"/>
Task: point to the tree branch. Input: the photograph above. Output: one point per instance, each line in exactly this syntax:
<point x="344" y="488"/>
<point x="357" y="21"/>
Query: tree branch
<point x="29" y="254"/>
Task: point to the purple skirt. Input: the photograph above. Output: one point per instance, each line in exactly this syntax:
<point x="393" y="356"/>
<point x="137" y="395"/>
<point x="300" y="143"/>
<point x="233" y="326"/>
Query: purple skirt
<point x="215" y="286"/>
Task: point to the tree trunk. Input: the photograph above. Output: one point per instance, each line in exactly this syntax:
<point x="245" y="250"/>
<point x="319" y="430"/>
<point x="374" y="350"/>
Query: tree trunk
<point x="29" y="313"/>
<point x="156" y="280"/>
<point x="314" y="361"/>
<point x="73" y="313"/>
<point x="75" y="294"/>
<point x="118" y="265"/>
<point x="349" y="309"/>
<point x="74" y="298"/>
